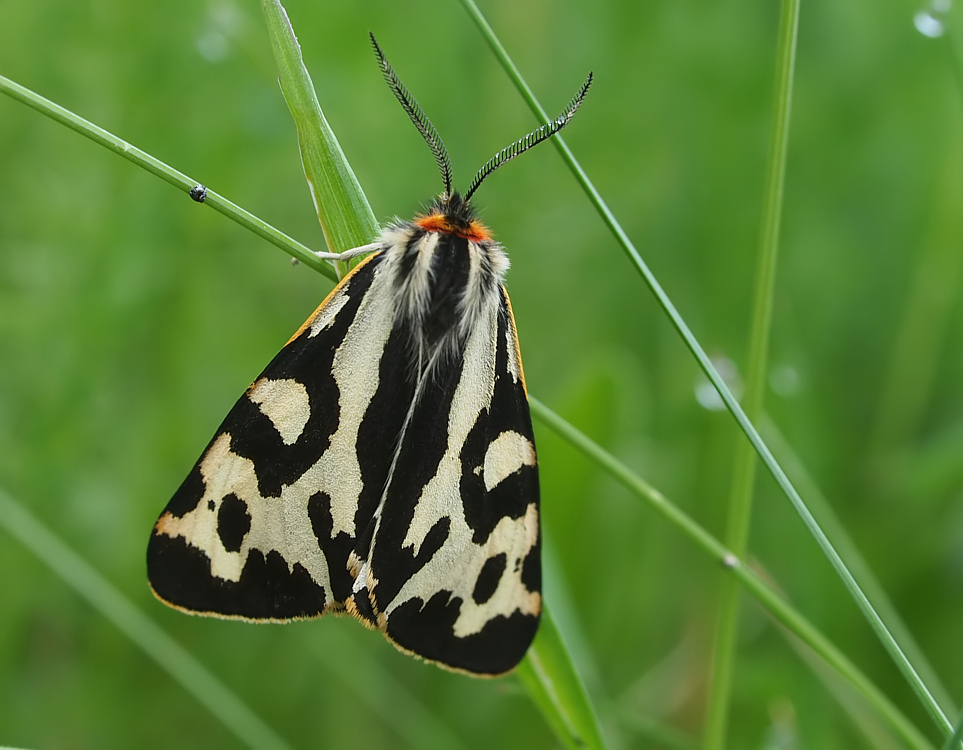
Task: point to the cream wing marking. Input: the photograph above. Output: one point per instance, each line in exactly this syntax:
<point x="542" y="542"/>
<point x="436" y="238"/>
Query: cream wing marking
<point x="285" y="403"/>
<point x="506" y="454"/>
<point x="356" y="372"/>
<point x="326" y="314"/>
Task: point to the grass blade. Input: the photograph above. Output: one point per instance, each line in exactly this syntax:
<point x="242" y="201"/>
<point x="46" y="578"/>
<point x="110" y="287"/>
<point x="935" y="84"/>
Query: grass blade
<point x="744" y="461"/>
<point x="346" y="218"/>
<point x="549" y="675"/>
<point x="165" y="172"/>
<point x="170" y="656"/>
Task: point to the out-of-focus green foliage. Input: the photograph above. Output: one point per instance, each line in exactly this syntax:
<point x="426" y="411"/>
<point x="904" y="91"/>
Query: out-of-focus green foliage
<point x="132" y="318"/>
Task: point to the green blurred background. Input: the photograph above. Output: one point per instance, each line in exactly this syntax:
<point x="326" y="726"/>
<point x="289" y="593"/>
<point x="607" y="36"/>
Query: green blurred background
<point x="131" y="319"/>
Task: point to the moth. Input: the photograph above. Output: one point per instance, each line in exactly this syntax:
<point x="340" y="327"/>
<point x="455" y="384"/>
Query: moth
<point x="383" y="464"/>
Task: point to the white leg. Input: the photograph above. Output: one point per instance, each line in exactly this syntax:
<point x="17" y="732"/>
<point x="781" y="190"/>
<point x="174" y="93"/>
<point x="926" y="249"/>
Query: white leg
<point x="352" y="253"/>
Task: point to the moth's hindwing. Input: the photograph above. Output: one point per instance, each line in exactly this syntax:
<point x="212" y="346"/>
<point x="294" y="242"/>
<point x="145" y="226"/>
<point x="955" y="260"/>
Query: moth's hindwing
<point x="262" y="527"/>
<point x="452" y="569"/>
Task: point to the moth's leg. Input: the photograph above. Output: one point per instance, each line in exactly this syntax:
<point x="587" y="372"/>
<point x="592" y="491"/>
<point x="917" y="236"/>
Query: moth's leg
<point x="352" y="253"/>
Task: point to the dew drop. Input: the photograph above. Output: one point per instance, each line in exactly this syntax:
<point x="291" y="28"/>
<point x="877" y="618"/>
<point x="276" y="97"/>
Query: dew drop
<point x="927" y="25"/>
<point x="931" y="20"/>
<point x="706" y="393"/>
<point x="212" y="45"/>
<point x="784" y="380"/>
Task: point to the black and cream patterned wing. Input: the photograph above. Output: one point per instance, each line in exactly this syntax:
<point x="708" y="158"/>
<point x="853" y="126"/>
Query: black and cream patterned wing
<point x="262" y="527"/>
<point x="451" y="568"/>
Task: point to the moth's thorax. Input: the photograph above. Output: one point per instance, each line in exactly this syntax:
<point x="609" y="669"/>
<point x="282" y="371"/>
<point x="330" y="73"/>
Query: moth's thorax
<point x="448" y="273"/>
<point x="452" y="214"/>
<point x="439" y="222"/>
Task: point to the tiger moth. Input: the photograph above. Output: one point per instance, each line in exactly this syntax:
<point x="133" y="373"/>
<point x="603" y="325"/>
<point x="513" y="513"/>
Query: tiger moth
<point x="383" y="464"/>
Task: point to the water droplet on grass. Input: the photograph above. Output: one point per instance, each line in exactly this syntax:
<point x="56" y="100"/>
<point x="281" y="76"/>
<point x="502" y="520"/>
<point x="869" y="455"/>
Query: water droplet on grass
<point x="928" y="25"/>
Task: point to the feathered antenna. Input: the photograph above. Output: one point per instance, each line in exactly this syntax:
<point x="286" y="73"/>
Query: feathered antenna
<point x="417" y="116"/>
<point x="533" y="138"/>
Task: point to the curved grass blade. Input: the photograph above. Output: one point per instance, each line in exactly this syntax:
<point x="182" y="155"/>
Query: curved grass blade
<point x="346" y="218"/>
<point x="549" y="675"/>
<point x="170" y="656"/>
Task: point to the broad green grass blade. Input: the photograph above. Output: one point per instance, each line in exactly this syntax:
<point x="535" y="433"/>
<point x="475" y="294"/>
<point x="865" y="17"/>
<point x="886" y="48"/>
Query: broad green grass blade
<point x="170" y="656"/>
<point x="744" y="460"/>
<point x="165" y="172"/>
<point x="695" y="348"/>
<point x="346" y="218"/>
<point x="549" y="675"/>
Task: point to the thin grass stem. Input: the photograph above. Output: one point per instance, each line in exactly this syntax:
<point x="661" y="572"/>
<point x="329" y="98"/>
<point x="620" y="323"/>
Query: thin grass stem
<point x="167" y="173"/>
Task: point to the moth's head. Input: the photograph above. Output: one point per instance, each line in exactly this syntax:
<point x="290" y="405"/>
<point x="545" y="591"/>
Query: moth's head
<point x="452" y="214"/>
<point x="451" y="206"/>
